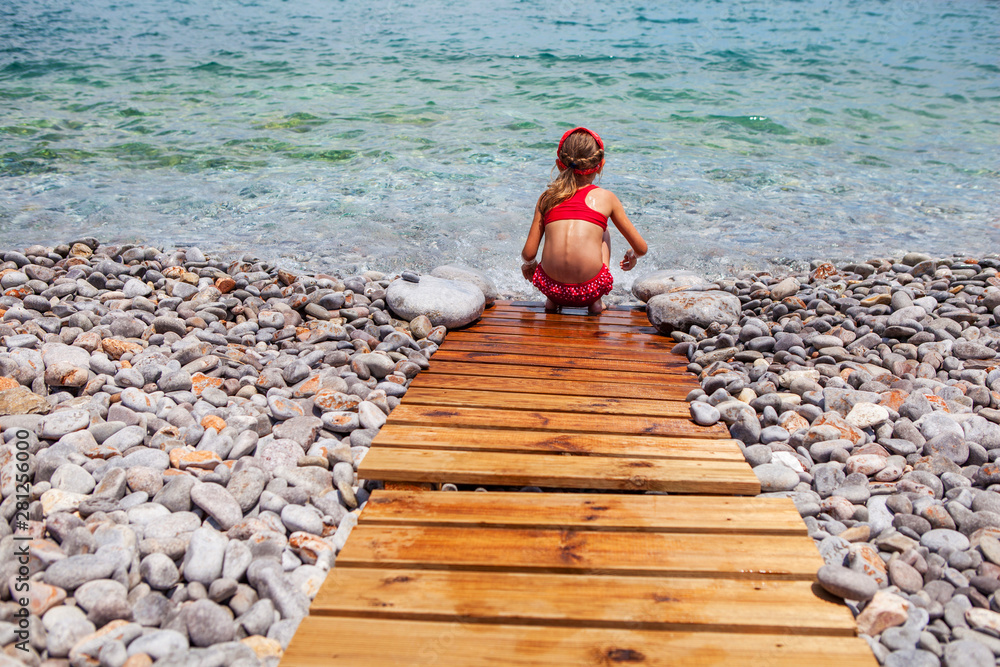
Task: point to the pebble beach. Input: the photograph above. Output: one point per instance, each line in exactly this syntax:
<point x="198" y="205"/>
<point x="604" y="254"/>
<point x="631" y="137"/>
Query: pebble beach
<point x="192" y="428"/>
<point x="868" y="394"/>
<point x="183" y="434"/>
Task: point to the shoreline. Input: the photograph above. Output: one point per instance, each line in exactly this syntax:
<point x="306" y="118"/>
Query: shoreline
<point x="194" y="428"/>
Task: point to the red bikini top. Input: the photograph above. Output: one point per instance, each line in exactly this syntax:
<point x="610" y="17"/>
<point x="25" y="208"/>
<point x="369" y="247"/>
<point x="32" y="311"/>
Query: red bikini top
<point x="575" y="208"/>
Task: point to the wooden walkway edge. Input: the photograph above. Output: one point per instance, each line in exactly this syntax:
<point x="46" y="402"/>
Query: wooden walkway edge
<point x="596" y="571"/>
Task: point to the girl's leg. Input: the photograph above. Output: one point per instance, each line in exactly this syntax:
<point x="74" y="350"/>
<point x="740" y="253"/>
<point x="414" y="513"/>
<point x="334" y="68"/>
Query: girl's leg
<point x="550" y="305"/>
<point x="598" y="305"/>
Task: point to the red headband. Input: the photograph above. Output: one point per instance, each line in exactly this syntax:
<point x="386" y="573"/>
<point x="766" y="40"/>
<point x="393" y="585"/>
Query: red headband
<point x="600" y="144"/>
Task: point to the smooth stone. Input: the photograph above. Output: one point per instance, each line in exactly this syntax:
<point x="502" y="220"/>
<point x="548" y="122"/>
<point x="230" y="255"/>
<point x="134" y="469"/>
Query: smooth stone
<point x="176" y="494"/>
<point x="967" y="653"/>
<point x="703" y="413"/>
<point x="204" y="559"/>
<point x="939" y="538"/>
<point x="159" y="644"/>
<point x="679" y="311"/>
<point x="61" y="422"/>
<point x="246" y="486"/>
<point x="218" y="503"/>
<point x="73" y="478"/>
<point x="370" y="415"/>
<point x="159" y="571"/>
<point x="904" y="576"/>
<point x="298" y="518"/>
<point x="661" y="282"/>
<point x="72" y="572"/>
<point x="208" y="623"/>
<point x="776" y="477"/>
<point x="847" y="583"/>
<point x="885" y="610"/>
<point x="448" y="303"/>
<point x="65" y="626"/>
<point x="89" y="594"/>
<point x="467" y="274"/>
<point x="912" y="658"/>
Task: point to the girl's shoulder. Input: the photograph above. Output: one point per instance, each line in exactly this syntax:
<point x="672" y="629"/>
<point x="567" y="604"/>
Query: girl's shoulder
<point x="602" y="194"/>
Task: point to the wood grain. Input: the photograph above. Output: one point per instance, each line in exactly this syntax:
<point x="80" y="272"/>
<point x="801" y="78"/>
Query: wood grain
<point x="541" y="359"/>
<point x="535" y="420"/>
<point x="678" y="377"/>
<point x="661" y="392"/>
<point x="323" y="641"/>
<point x="590" y="341"/>
<point x="509" y="400"/>
<point x="547" y="442"/>
<point x="587" y="511"/>
<point x="558" y="471"/>
<point x="634" y="603"/>
<point x="596" y="351"/>
<point x="752" y="557"/>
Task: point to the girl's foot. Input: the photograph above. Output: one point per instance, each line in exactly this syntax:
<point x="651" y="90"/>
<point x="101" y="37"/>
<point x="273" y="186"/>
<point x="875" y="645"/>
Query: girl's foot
<point x="596" y="308"/>
<point x="551" y="306"/>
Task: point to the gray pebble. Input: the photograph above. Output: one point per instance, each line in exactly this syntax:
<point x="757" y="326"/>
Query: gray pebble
<point x="218" y="503"/>
<point x="205" y="555"/>
<point x="847" y="583"/>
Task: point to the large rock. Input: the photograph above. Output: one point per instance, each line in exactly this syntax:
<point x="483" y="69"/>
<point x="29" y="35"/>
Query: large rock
<point x="467" y="274"/>
<point x="663" y="282"/>
<point x="681" y="310"/>
<point x="450" y="303"/>
<point x="22" y="401"/>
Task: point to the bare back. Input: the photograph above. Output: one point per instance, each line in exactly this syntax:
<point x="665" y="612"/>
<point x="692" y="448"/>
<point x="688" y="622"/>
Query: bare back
<point x="574" y="250"/>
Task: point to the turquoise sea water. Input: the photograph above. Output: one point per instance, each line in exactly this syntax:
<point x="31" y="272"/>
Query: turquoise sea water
<point x="388" y="135"/>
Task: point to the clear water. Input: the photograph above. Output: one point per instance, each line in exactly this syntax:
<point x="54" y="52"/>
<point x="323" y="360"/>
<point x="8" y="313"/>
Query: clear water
<point x="385" y="135"/>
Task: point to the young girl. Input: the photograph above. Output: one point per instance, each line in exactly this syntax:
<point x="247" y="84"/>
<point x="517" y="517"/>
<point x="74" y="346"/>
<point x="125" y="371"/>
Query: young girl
<point x="572" y="215"/>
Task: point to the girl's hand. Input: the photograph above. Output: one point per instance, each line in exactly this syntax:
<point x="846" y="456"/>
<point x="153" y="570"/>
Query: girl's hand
<point x="630" y="260"/>
<point x="528" y="269"/>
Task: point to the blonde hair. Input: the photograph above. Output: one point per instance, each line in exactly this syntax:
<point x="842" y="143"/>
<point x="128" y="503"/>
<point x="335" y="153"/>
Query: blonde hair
<point x="579" y="153"/>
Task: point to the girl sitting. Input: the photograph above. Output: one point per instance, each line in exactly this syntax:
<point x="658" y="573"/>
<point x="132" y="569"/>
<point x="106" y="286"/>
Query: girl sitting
<point x="572" y="215"/>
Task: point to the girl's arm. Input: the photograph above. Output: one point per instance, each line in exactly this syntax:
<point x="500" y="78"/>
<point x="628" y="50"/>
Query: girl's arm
<point x="531" y="245"/>
<point x="631" y="234"/>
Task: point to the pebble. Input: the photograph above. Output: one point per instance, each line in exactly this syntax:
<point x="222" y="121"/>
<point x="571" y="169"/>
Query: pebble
<point x="847" y="583"/>
<point x="218" y="503"/>
<point x="205" y="554"/>
<point x="776" y="477"/>
<point x="867" y="383"/>
<point x="967" y="653"/>
<point x="882" y="379"/>
<point x="704" y="414"/>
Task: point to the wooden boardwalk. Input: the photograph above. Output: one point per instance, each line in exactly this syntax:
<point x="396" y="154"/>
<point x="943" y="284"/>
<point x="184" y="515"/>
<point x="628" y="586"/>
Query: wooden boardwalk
<point x="598" y="576"/>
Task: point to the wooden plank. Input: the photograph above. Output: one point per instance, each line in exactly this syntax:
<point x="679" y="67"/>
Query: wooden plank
<point x="644" y="342"/>
<point x="534" y="420"/>
<point x="541" y="359"/>
<point x="617" y="337"/>
<point x="569" y="327"/>
<point x="679" y="377"/>
<point x="509" y="400"/>
<point x="597" y="351"/>
<point x="634" y="603"/>
<point x="322" y="641"/>
<point x="752" y="557"/>
<point x="510" y="309"/>
<point x="608" y="317"/>
<point x="402" y="464"/>
<point x="661" y="392"/>
<point x="589" y="511"/>
<point x="547" y="442"/>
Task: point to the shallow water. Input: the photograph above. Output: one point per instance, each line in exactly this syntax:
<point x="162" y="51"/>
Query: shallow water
<point x="386" y="135"/>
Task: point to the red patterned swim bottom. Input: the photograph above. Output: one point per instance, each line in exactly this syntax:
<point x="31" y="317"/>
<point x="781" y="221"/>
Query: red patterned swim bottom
<point x="574" y="294"/>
